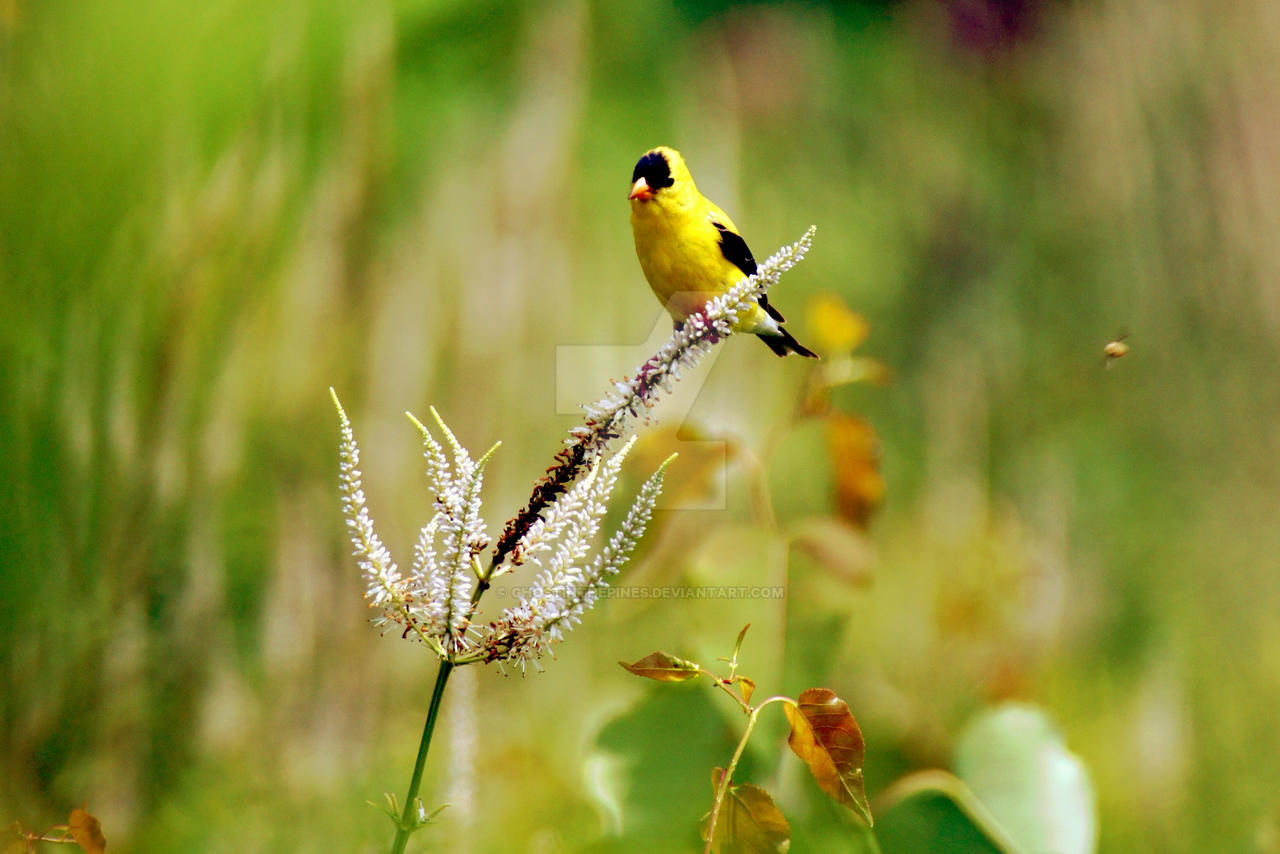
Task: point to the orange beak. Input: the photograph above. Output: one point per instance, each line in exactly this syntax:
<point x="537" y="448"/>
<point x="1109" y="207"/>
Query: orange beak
<point x="641" y="190"/>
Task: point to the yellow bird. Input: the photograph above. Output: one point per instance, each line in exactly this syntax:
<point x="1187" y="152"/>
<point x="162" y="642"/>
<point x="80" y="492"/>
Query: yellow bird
<point x="691" y="251"/>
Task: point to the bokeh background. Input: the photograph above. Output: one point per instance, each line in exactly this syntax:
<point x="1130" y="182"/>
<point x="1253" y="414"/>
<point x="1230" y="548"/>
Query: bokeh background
<point x="210" y="213"/>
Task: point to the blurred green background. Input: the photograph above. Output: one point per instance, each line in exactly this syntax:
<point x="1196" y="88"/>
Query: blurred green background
<point x="212" y="212"/>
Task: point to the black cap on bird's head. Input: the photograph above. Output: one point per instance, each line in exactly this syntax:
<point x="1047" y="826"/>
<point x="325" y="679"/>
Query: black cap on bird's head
<point x="652" y="173"/>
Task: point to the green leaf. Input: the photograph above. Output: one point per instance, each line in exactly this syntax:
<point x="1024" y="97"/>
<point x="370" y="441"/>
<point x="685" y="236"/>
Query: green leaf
<point x="422" y="818"/>
<point x="749" y="821"/>
<point x="738" y="643"/>
<point x="826" y="736"/>
<point x="931" y="811"/>
<point x="1017" y="765"/>
<point x="663" y="667"/>
<point x="659" y="750"/>
<point x="391" y="809"/>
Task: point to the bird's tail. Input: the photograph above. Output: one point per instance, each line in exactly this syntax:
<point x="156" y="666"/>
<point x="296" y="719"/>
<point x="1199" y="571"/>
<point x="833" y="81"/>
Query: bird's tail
<point x="784" y="343"/>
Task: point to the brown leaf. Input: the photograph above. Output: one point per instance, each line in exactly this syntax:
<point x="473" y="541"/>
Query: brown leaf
<point x="749" y="821"/>
<point x="87" y="832"/>
<point x="855" y="460"/>
<point x="663" y="667"/>
<point x="825" y="735"/>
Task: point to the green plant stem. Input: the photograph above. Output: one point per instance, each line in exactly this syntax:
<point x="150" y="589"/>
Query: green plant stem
<point x="720" y="683"/>
<point x="408" y="821"/>
<point x="723" y="788"/>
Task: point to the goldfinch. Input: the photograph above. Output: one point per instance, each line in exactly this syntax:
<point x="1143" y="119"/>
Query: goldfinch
<point x="691" y="251"/>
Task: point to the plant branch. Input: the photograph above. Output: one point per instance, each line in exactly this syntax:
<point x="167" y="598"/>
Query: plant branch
<point x="723" y="788"/>
<point x="723" y="686"/>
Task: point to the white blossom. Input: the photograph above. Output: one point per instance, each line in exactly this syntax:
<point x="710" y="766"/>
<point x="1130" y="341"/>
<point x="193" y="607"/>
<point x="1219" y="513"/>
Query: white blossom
<point x="563" y="593"/>
<point x="443" y="580"/>
<point x="385" y="588"/>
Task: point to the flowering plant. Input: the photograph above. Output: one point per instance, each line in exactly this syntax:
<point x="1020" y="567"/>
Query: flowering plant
<point x="437" y="600"/>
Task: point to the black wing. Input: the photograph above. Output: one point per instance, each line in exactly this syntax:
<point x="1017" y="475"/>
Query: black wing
<point x="739" y="255"/>
<point x="735" y="250"/>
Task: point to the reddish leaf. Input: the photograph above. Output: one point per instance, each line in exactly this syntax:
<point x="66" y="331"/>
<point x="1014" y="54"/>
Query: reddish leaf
<point x="663" y="667"/>
<point x="87" y="832"/>
<point x="749" y="821"/>
<point x="825" y="735"/>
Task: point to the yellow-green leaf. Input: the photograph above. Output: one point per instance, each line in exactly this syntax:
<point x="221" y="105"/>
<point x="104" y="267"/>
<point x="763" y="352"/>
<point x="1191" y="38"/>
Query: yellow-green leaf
<point x="749" y="822"/>
<point x="747" y="686"/>
<point x="825" y="735"/>
<point x="663" y="667"/>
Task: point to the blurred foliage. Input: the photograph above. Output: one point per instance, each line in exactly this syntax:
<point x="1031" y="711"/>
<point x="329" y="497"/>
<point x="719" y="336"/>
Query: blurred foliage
<point x="1016" y="789"/>
<point x="211" y="213"/>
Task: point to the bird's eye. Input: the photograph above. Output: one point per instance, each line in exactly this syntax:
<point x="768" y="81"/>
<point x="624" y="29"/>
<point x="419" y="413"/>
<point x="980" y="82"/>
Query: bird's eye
<point x="655" y="171"/>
